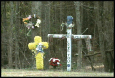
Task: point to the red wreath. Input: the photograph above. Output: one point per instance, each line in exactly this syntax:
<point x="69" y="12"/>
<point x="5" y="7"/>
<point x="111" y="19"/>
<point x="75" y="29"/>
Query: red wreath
<point x="54" y="62"/>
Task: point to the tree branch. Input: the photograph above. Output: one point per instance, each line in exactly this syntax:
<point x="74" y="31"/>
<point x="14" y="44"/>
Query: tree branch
<point x="92" y="54"/>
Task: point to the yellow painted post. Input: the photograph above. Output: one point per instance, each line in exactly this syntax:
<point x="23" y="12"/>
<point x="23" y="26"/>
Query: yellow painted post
<point x="39" y="60"/>
<point x="40" y="55"/>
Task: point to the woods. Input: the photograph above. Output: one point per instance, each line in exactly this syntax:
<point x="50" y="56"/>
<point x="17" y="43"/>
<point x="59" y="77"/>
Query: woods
<point x="97" y="16"/>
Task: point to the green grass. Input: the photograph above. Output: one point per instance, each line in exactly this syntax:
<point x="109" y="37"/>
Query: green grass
<point x="51" y="73"/>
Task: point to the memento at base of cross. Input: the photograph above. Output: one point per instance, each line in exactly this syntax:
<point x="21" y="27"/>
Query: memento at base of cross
<point x="69" y="37"/>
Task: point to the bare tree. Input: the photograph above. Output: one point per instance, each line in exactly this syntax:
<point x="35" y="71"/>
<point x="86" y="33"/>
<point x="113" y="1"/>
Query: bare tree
<point x="11" y="35"/>
<point x="78" y="23"/>
<point x="107" y="33"/>
<point x="104" y="29"/>
<point x="36" y="9"/>
<point x="17" y="24"/>
<point x="3" y="33"/>
<point x="47" y="26"/>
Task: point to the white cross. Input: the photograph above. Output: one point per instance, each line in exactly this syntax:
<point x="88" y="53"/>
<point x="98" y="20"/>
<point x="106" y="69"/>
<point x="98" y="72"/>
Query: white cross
<point x="69" y="36"/>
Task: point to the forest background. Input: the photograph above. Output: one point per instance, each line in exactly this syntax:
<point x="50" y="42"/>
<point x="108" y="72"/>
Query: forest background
<point x="97" y="16"/>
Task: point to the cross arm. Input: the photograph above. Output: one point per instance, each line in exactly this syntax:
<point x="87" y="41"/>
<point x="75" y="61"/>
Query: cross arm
<point x="57" y="35"/>
<point x="81" y="36"/>
<point x="65" y="35"/>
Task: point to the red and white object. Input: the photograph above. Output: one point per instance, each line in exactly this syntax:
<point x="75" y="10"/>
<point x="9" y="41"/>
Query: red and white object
<point x="54" y="62"/>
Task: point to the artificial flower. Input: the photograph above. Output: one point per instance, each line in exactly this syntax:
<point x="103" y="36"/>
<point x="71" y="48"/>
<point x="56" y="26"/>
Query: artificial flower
<point x="25" y="22"/>
<point x="39" y="48"/>
<point x="38" y="22"/>
<point x="54" y="62"/>
<point x="33" y="27"/>
<point x="25" y="19"/>
<point x="29" y="17"/>
<point x="28" y="22"/>
<point x="29" y="25"/>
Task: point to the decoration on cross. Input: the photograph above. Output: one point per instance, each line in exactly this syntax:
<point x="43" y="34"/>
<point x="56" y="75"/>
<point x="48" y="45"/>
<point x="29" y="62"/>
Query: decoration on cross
<point x="68" y="24"/>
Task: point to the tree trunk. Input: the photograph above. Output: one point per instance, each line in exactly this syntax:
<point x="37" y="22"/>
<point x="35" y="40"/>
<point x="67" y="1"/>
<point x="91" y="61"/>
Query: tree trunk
<point x="3" y="31"/>
<point x="47" y="31"/>
<point x="36" y="9"/>
<point x="98" y="22"/>
<point x="107" y="30"/>
<point x="16" y="35"/>
<point x="101" y="24"/>
<point x="78" y="24"/>
<point x="11" y="35"/>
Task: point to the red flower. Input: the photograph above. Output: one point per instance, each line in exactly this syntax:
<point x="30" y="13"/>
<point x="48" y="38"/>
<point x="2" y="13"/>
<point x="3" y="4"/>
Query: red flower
<point x="54" y="62"/>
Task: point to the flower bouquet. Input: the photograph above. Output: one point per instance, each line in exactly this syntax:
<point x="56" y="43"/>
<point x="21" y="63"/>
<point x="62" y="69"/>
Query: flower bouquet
<point x="55" y="62"/>
<point x="29" y="22"/>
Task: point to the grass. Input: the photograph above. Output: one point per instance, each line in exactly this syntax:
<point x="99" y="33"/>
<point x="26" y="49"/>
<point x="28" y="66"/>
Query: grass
<point x="51" y="73"/>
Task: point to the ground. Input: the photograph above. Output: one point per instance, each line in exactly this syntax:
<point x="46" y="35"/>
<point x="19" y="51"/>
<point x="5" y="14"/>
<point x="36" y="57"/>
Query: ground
<point x="85" y="71"/>
<point x="52" y="73"/>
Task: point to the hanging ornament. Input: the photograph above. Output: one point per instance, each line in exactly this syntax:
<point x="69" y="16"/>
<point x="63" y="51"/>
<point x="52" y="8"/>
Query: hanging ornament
<point x="29" y="24"/>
